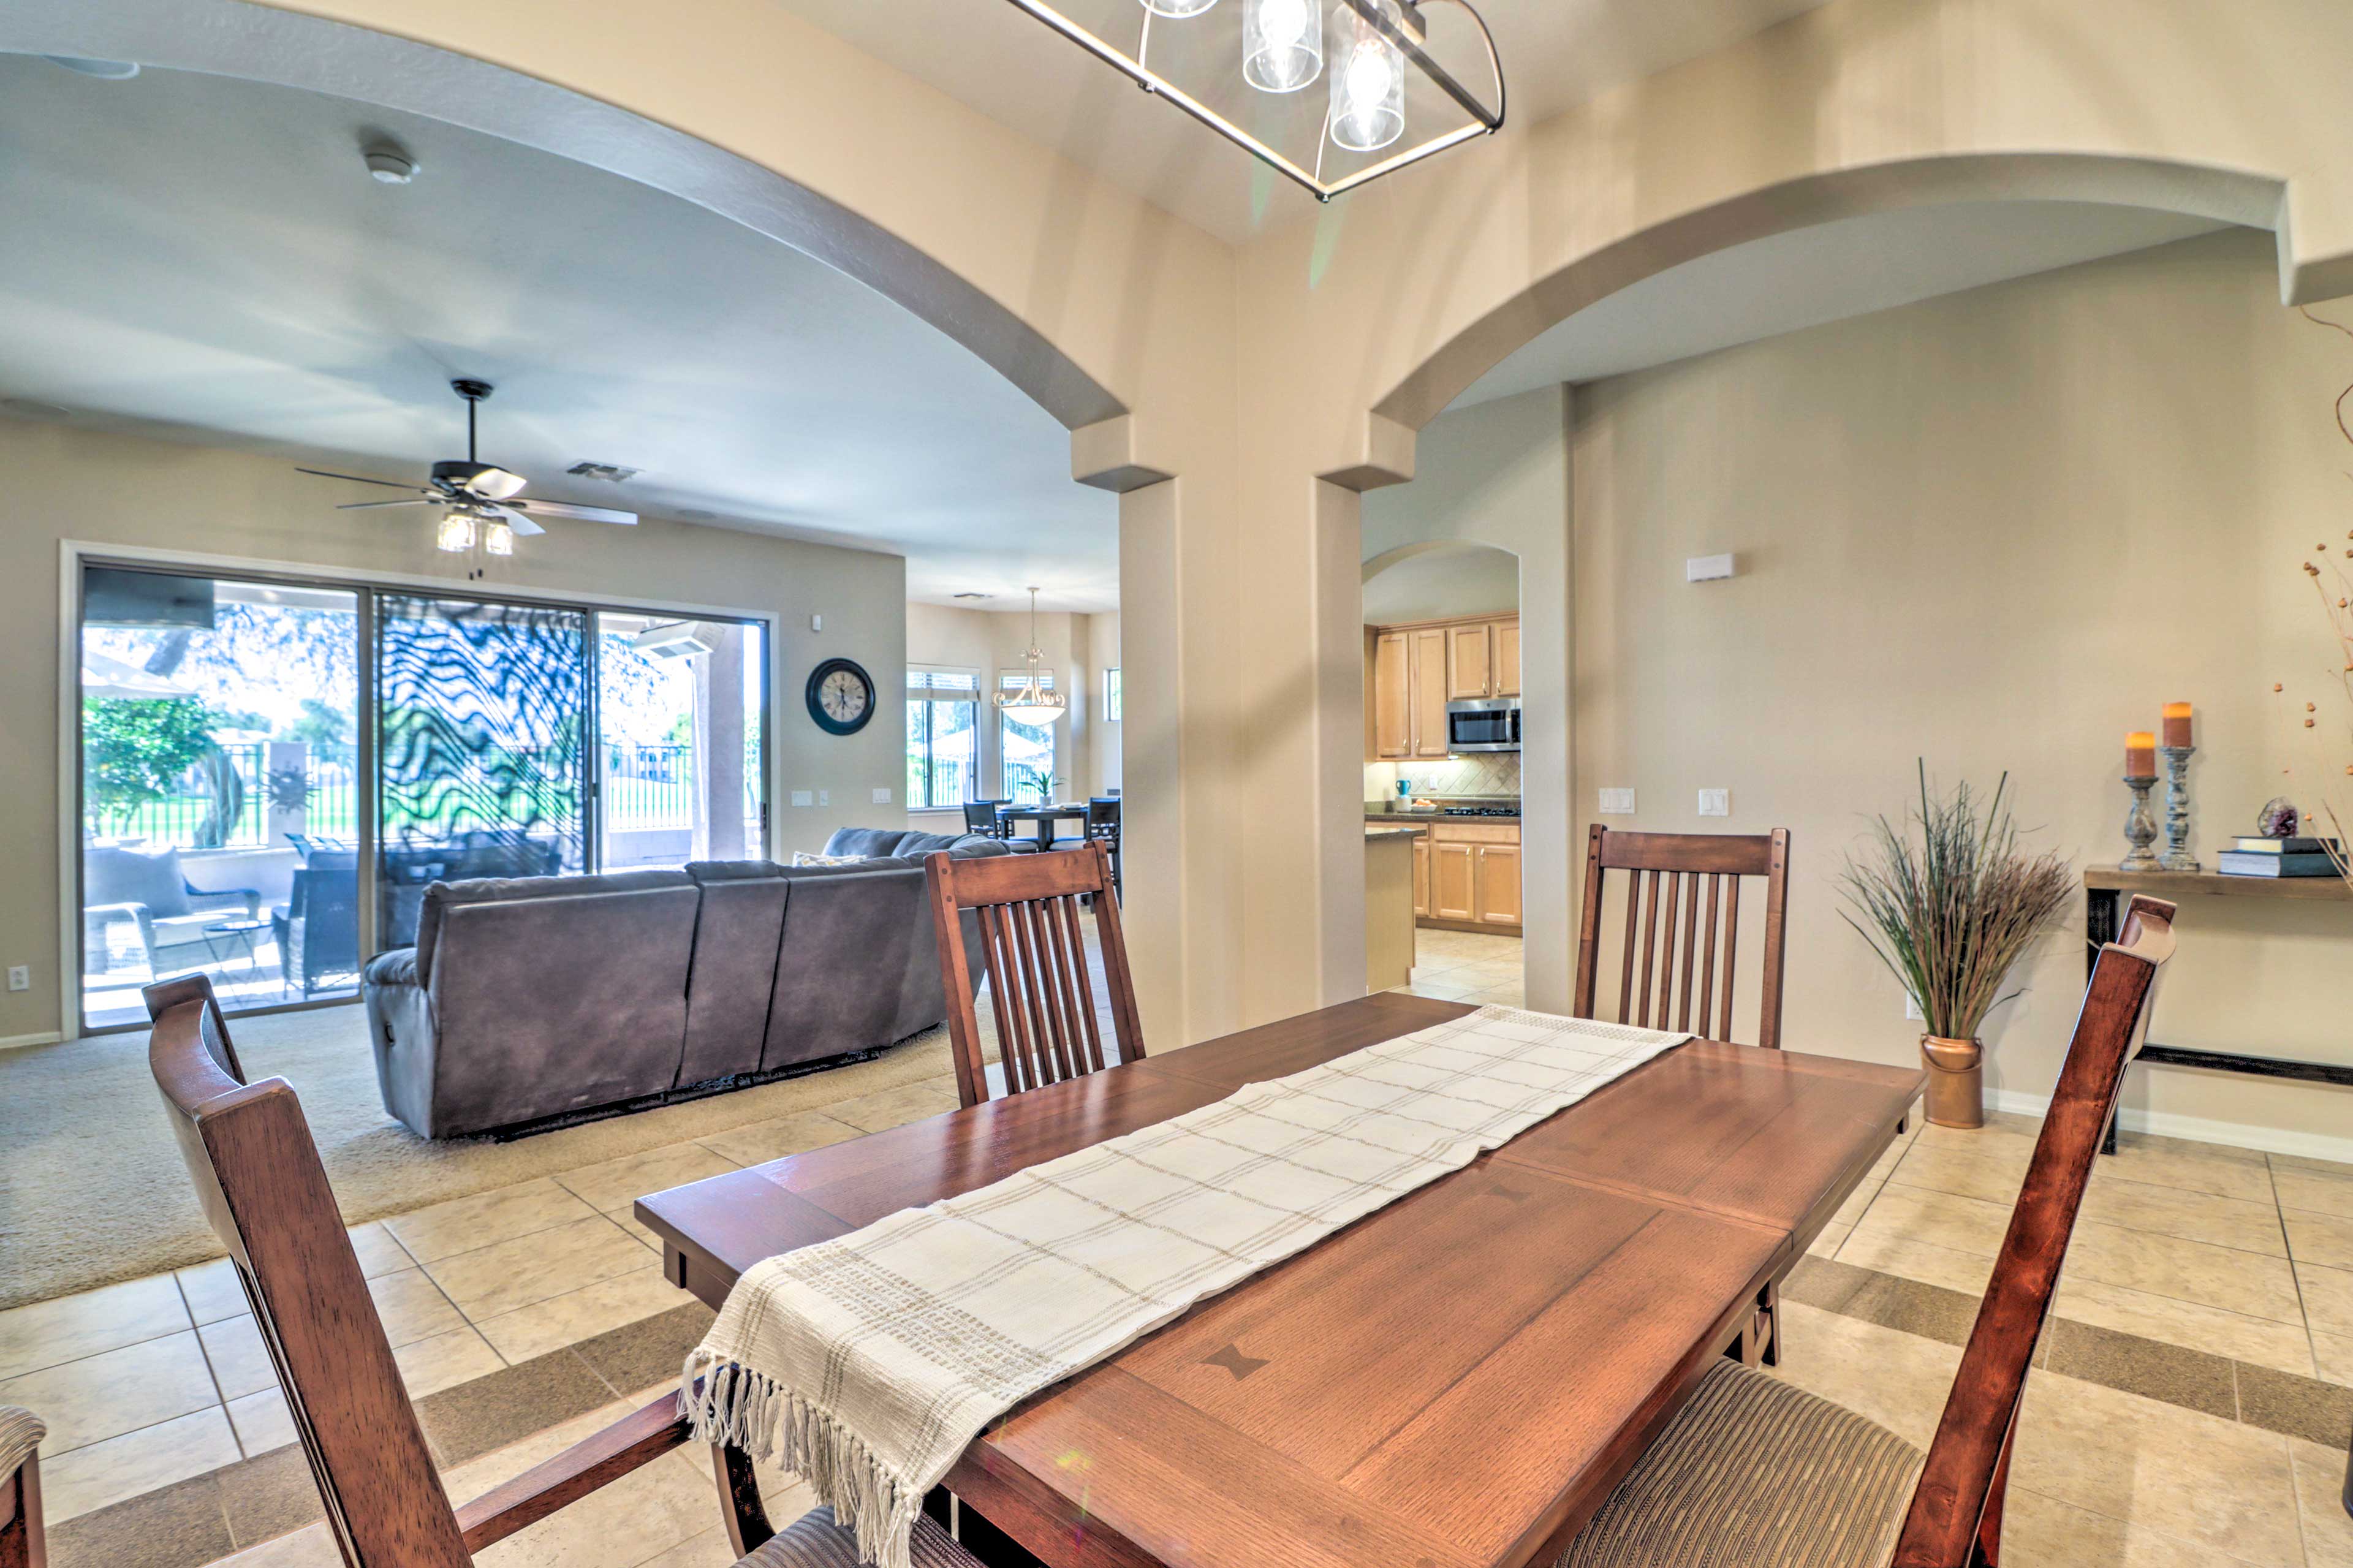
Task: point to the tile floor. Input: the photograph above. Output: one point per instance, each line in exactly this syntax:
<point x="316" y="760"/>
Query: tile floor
<point x="2192" y="1409"/>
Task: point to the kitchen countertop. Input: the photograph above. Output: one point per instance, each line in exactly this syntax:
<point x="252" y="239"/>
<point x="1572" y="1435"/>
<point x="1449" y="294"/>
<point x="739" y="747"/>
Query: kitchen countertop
<point x="1398" y="830"/>
<point x="1385" y="813"/>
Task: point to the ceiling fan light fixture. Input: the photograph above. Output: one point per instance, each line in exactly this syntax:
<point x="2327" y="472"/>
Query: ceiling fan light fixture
<point x="498" y="538"/>
<point x="455" y="533"/>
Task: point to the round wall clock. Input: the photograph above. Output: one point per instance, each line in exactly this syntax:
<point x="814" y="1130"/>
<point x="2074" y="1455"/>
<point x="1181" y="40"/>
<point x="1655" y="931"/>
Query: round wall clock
<point x="840" y="697"/>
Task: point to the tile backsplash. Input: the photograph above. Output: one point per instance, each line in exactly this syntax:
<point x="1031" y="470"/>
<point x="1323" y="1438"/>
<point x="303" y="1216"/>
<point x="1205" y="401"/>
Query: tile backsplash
<point x="1478" y="772"/>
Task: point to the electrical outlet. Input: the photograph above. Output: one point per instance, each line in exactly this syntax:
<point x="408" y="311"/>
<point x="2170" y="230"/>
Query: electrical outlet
<point x="1912" y="1009"/>
<point x="1715" y="803"/>
<point x="20" y="977"/>
<point x="825" y="797"/>
<point x="817" y="623"/>
<point x="881" y="798"/>
<point x="1617" y="802"/>
<point x="803" y="797"/>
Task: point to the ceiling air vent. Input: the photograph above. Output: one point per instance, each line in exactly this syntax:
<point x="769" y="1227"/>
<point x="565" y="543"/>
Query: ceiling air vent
<point x="611" y="473"/>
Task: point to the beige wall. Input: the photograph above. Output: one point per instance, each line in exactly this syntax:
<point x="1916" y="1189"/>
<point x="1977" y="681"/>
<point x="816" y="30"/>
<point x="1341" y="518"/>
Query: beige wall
<point x="109" y="489"/>
<point x="992" y="642"/>
<point x="1994" y="531"/>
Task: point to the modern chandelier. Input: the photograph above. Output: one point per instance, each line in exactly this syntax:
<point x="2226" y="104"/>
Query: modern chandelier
<point x="1035" y="701"/>
<point x="1241" y="69"/>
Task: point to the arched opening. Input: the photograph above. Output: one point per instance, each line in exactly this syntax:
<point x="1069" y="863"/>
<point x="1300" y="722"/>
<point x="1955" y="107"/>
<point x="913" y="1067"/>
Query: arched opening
<point x="1442" y="773"/>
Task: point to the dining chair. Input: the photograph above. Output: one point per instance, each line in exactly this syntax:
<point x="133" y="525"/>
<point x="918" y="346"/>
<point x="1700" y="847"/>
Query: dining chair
<point x="980" y="817"/>
<point x="261" y="1184"/>
<point x="21" y="1542"/>
<point x="1039" y="988"/>
<point x="1103" y="825"/>
<point x="1754" y="1469"/>
<point x="1671" y="867"/>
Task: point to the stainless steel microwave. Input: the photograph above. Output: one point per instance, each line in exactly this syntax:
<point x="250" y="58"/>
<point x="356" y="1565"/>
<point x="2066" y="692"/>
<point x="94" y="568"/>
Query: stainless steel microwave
<point x="1482" y="724"/>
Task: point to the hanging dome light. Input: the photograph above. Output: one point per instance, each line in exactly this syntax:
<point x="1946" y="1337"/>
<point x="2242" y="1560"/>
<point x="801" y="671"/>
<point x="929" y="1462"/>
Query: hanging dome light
<point x="1033" y="702"/>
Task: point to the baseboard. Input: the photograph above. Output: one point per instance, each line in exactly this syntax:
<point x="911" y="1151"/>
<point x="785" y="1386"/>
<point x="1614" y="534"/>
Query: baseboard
<point x="10" y="1042"/>
<point x="2199" y="1129"/>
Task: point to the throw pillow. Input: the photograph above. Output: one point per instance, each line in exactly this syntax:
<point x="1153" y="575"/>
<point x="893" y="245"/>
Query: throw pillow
<point x="803" y="858"/>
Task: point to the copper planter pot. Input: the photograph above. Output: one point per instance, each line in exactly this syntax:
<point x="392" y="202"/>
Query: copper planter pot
<point x="1956" y="1081"/>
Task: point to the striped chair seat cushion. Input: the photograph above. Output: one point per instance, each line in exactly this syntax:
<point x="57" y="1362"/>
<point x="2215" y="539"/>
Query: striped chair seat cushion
<point x="816" y="1541"/>
<point x="1754" y="1473"/>
<point x="20" y="1433"/>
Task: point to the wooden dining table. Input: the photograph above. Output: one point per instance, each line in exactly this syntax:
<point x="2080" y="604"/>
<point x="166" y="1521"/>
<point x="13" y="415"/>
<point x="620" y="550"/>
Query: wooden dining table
<point x="1043" y="819"/>
<point x="1456" y="1381"/>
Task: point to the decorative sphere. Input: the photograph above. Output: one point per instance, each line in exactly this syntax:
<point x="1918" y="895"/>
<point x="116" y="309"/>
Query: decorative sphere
<point x="2278" y="820"/>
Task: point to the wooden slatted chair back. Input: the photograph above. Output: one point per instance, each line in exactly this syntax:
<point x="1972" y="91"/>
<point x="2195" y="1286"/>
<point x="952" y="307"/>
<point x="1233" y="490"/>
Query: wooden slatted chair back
<point x="1670" y="981"/>
<point x="1041" y="992"/>
<point x="1955" y="1512"/>
<point x="259" y="1178"/>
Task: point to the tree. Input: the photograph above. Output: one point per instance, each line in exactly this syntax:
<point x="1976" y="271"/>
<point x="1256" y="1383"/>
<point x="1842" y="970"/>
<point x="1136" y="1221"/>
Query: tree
<point x="325" y="729"/>
<point x="136" y="750"/>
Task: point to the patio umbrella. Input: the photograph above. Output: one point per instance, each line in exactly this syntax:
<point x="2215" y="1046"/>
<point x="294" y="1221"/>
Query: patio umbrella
<point x="105" y="676"/>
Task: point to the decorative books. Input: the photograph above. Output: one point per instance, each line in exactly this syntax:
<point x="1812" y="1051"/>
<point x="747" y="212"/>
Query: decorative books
<point x="2242" y="863"/>
<point x="2248" y="844"/>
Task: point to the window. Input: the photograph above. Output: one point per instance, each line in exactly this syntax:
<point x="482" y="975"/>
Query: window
<point x="943" y="738"/>
<point x="1111" y="695"/>
<point x="1025" y="751"/>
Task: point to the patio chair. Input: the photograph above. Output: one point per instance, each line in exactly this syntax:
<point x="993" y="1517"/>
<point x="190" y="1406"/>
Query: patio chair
<point x="153" y="892"/>
<point x="318" y="929"/>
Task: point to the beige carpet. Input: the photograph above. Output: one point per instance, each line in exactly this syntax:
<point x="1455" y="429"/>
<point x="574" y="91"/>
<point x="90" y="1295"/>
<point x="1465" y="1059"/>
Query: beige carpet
<point x="92" y="1189"/>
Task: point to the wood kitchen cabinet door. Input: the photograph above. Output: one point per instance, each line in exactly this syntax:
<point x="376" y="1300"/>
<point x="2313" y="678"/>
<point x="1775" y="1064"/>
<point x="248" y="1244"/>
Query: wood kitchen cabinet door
<point x="1498" y="884"/>
<point x="1507" y="658"/>
<point x="1454" y="882"/>
<point x="1470" y="660"/>
<point x="1421" y="878"/>
<point x="1428" y="665"/>
<point x="1392" y="697"/>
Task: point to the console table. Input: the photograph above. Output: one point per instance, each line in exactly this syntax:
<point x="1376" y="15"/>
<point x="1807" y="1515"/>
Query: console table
<point x="2105" y="888"/>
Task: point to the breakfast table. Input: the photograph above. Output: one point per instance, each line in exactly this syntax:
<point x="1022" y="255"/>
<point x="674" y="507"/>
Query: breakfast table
<point x="1454" y="1381"/>
<point x="1044" y="818"/>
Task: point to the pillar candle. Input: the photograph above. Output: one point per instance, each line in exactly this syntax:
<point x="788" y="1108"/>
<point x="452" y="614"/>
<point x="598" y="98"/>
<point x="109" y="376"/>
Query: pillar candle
<point x="2177" y="724"/>
<point x="2140" y="755"/>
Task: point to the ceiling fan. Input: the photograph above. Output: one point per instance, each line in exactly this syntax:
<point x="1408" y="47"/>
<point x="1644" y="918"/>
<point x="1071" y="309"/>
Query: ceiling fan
<point x="482" y="499"/>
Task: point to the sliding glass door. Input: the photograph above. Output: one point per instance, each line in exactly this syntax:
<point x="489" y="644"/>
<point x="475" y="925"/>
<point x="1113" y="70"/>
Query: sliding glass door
<point x="273" y="773"/>
<point x="678" y="707"/>
<point x="483" y="717"/>
<point x="220" y="790"/>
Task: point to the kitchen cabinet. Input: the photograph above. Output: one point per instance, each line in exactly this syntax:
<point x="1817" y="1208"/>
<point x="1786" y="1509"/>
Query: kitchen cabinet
<point x="1507" y="658"/>
<point x="1496" y="887"/>
<point x="1421" y="876"/>
<point x="1392" y="697"/>
<point x="1454" y="882"/>
<point x="1426" y="667"/>
<point x="1470" y="660"/>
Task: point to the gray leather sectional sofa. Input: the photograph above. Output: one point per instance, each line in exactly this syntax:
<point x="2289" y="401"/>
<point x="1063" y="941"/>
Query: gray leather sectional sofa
<point x="545" y="1000"/>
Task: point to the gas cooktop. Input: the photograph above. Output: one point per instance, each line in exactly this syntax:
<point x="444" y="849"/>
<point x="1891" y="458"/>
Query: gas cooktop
<point x="1478" y="811"/>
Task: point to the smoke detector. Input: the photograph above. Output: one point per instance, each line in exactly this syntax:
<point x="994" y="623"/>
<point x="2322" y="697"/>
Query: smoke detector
<point x="674" y="640"/>
<point x="388" y="164"/>
<point x="611" y="473"/>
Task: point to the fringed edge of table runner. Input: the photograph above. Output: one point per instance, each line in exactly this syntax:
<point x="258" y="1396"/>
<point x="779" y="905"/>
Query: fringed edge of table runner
<point x="726" y="1402"/>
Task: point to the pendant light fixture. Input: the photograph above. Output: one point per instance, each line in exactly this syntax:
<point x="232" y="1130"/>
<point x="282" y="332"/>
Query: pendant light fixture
<point x="1377" y="56"/>
<point x="1034" y="701"/>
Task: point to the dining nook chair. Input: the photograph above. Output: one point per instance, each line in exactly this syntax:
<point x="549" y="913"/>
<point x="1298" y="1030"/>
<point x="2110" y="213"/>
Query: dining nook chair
<point x="21" y="1544"/>
<point x="1756" y="1470"/>
<point x="1688" y="976"/>
<point x="1041" y="994"/>
<point x="261" y="1185"/>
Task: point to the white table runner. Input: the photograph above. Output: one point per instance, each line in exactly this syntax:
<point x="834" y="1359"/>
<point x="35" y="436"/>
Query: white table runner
<point x="868" y="1362"/>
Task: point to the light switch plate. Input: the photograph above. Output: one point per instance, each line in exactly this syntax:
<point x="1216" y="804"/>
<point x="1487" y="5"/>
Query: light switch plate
<point x="825" y="797"/>
<point x="1912" y="1009"/>
<point x="817" y="623"/>
<point x="1617" y="802"/>
<point x="1707" y="568"/>
<point x="881" y="798"/>
<point x="1715" y="803"/>
<point x="803" y="797"/>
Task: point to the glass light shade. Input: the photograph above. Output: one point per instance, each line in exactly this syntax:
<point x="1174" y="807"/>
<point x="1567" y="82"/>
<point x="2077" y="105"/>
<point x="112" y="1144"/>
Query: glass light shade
<point x="456" y="533"/>
<point x="1178" y="8"/>
<point x="1033" y="706"/>
<point x="498" y="538"/>
<point x="1367" y="84"/>
<point x="1282" y="44"/>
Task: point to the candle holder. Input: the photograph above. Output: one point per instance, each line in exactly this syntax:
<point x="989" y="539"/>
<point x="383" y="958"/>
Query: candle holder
<point x="2177" y="856"/>
<point x="2140" y="827"/>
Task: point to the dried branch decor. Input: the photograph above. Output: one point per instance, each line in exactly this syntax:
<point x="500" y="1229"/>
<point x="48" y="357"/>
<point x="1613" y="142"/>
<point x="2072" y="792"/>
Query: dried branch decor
<point x="2335" y="590"/>
<point x="1952" y="911"/>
